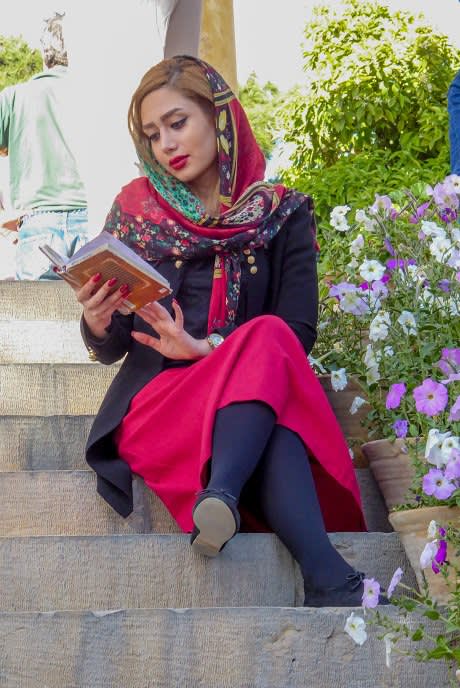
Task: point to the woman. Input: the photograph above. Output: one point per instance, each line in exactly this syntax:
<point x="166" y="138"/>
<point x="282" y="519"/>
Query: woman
<point x="215" y="404"/>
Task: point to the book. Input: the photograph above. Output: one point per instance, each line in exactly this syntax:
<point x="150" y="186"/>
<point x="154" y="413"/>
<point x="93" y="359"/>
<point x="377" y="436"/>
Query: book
<point x="112" y="258"/>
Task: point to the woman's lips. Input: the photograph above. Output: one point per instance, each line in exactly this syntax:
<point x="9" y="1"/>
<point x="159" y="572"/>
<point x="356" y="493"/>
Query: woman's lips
<point x="179" y="162"/>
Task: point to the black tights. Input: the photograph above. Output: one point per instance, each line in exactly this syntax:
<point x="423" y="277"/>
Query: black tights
<point x="248" y="445"/>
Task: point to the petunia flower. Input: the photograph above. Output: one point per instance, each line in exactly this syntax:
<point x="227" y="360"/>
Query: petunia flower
<point x="449" y="445"/>
<point x="401" y="427"/>
<point x="381" y="203"/>
<point x="452" y="471"/>
<point x="430" y="397"/>
<point x="432" y="229"/>
<point x="389" y="640"/>
<point x="379" y="326"/>
<point x="356" y="405"/>
<point x="395" y="394"/>
<point x="407" y="322"/>
<point x="440" y="557"/>
<point x="396" y="578"/>
<point x="355" y="626"/>
<point x="437" y="485"/>
<point x="352" y="302"/>
<point x="371" y="270"/>
<point x="455" y="410"/>
<point x="339" y="379"/>
<point x="372" y="375"/>
<point x="432" y="530"/>
<point x="433" y="447"/>
<point x="441" y="249"/>
<point x="388" y="245"/>
<point x="371" y="593"/>
<point x="339" y="290"/>
<point x="357" y="245"/>
<point x="428" y="554"/>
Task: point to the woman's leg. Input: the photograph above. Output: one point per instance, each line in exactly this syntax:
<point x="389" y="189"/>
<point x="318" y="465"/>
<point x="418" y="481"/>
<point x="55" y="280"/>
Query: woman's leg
<point x="241" y="433"/>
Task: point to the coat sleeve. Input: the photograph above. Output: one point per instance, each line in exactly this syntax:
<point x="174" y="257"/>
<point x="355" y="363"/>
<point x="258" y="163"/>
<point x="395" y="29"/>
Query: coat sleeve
<point x="117" y="342"/>
<point x="295" y="260"/>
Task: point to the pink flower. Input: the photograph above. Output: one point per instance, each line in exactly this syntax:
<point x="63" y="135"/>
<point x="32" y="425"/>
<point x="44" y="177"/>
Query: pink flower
<point x="395" y="394"/>
<point x="436" y="484"/>
<point x="452" y="470"/>
<point x="394" y="581"/>
<point x="455" y="410"/>
<point x="440" y="556"/>
<point x="371" y="593"/>
<point x="430" y="397"/>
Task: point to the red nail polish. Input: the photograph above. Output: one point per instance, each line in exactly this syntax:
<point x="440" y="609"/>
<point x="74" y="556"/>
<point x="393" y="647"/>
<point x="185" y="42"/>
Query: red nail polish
<point x="112" y="281"/>
<point x="124" y="289"/>
<point x="96" y="277"/>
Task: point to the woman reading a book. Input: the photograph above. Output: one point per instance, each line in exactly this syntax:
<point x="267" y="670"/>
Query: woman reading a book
<point x="215" y="405"/>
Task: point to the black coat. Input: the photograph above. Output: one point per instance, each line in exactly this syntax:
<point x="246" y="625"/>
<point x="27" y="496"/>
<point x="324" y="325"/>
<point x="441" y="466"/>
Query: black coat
<point x="286" y="286"/>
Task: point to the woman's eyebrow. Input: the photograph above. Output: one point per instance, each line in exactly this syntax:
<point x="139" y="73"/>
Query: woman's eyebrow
<point x="163" y="118"/>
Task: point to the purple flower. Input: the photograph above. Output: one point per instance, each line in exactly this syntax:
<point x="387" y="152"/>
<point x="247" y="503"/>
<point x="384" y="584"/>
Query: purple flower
<point x="452" y="356"/>
<point x="395" y="394"/>
<point x="381" y="203"/>
<point x="455" y="410"/>
<point x="419" y="213"/>
<point x="388" y="246"/>
<point x="452" y="470"/>
<point x="444" y="285"/>
<point x="444" y="196"/>
<point x="371" y="593"/>
<point x="339" y="290"/>
<point x="430" y="397"/>
<point x="440" y="556"/>
<point x="436" y="484"/>
<point x="401" y="427"/>
<point x="394" y="581"/>
<point x="399" y="263"/>
<point x="447" y="215"/>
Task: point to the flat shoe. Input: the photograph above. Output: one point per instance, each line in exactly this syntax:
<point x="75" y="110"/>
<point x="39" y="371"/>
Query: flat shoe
<point x="349" y="594"/>
<point x="216" y="520"/>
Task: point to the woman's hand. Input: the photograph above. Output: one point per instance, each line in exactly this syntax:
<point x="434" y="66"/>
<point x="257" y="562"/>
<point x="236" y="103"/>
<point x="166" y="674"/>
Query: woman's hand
<point x="99" y="304"/>
<point x="174" y="341"/>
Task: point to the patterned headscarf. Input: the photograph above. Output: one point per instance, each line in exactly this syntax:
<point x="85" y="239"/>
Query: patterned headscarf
<point x="161" y="218"/>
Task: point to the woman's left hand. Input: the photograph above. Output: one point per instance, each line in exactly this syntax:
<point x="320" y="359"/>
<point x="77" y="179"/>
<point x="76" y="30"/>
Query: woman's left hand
<point x="174" y="341"/>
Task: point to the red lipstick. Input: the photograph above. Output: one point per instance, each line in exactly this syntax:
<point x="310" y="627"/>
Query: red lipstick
<point x="178" y="162"/>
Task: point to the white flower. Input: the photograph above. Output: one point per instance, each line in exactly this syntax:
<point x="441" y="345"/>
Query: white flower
<point x="372" y="375"/>
<point x="447" y="446"/>
<point x="432" y="529"/>
<point x="441" y="249"/>
<point x="371" y="270"/>
<point x="454" y="259"/>
<point x="316" y="364"/>
<point x="360" y="215"/>
<point x="454" y="179"/>
<point x="352" y="454"/>
<point x="370" y="359"/>
<point x="338" y="218"/>
<point x="433" y="447"/>
<point x="432" y="229"/>
<point x="355" y="626"/>
<point x="389" y="640"/>
<point x="407" y="322"/>
<point x="428" y="554"/>
<point x="455" y="234"/>
<point x="388" y="351"/>
<point x="356" y="405"/>
<point x="339" y="379"/>
<point x="357" y="245"/>
<point x="378" y="328"/>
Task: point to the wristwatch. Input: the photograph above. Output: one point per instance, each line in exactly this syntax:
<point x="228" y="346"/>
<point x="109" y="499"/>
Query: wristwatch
<point x="214" y="340"/>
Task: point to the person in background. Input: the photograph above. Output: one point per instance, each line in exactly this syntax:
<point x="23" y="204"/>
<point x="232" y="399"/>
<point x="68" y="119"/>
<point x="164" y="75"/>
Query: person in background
<point x="215" y="405"/>
<point x="46" y="191"/>
<point x="453" y="106"/>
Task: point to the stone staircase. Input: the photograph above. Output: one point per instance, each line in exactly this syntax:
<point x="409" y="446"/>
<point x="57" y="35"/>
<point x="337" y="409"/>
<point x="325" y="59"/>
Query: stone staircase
<point x="91" y="600"/>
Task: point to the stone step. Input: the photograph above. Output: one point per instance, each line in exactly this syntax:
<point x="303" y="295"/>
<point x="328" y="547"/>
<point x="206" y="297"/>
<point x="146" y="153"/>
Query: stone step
<point x="201" y="648"/>
<point x="65" y="502"/>
<point x="153" y="570"/>
<point x="41" y="341"/>
<point x="40" y="389"/>
<point x="44" y="300"/>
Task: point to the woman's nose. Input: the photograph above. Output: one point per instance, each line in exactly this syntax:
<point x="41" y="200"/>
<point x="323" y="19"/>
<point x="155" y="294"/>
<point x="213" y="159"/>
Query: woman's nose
<point x="167" y="142"/>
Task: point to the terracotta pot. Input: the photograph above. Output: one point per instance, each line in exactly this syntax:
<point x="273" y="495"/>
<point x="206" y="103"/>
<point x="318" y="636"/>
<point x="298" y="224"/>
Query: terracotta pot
<point x="351" y="426"/>
<point x="412" y="527"/>
<point x="391" y="467"/>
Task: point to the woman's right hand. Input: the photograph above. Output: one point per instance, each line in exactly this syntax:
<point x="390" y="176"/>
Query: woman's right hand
<point x="99" y="304"/>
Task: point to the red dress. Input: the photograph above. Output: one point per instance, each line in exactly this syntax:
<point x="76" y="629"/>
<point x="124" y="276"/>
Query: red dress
<point x="166" y="436"/>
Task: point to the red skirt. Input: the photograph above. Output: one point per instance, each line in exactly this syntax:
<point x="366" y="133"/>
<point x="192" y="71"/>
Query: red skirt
<point x="166" y="436"/>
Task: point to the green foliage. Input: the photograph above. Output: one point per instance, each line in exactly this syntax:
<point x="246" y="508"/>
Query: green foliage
<point x="375" y="105"/>
<point x="18" y="62"/>
<point x="261" y="104"/>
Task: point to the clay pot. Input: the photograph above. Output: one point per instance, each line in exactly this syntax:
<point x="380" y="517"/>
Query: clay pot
<point x="391" y="467"/>
<point x="412" y="527"/>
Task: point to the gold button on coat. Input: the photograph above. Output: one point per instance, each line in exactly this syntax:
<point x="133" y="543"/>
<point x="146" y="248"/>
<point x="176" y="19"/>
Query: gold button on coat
<point x="178" y="264"/>
<point x="253" y="270"/>
<point x="251" y="260"/>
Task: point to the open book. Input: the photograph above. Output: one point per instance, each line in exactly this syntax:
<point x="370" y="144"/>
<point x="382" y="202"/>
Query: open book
<point x="110" y="257"/>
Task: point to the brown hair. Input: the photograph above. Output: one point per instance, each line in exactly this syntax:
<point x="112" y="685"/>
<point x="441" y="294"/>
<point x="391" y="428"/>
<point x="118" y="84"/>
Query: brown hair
<point x="182" y="73"/>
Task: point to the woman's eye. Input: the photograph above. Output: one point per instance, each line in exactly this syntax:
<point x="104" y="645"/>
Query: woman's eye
<point x="179" y="124"/>
<point x="154" y="137"/>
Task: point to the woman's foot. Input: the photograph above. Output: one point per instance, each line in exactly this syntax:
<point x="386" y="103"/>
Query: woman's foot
<point x="216" y="520"/>
<point x="347" y="594"/>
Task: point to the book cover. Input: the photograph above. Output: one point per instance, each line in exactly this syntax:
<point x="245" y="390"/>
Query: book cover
<point x="110" y="257"/>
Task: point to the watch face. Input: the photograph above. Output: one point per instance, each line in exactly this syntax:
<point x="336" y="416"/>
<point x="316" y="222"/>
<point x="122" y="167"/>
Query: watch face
<point x="215" y="339"/>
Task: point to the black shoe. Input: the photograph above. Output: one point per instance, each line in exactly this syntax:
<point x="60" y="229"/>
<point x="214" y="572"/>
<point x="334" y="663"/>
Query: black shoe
<point x="349" y="594"/>
<point x="216" y="520"/>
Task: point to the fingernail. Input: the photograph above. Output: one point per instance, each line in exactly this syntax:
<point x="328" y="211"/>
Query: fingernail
<point x="96" y="277"/>
<point x="112" y="281"/>
<point x="55" y="268"/>
<point x="124" y="289"/>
